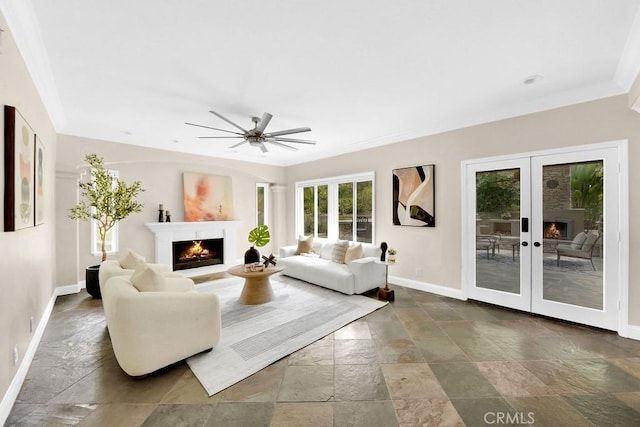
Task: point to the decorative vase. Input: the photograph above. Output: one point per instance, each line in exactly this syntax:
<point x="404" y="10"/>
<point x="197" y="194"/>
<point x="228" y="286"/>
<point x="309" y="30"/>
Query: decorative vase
<point x="92" y="281"/>
<point x="252" y="255"/>
<point x="391" y="258"/>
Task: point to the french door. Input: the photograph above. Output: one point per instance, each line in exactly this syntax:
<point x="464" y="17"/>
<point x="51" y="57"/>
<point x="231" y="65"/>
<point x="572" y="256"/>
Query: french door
<point x="542" y="234"/>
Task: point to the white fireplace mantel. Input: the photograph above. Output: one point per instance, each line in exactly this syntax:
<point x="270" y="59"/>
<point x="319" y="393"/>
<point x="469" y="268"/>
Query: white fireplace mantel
<point x="168" y="232"/>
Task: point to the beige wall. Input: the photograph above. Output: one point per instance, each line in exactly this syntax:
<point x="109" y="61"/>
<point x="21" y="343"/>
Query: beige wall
<point x="160" y="172"/>
<point x="27" y="261"/>
<point x="438" y="251"/>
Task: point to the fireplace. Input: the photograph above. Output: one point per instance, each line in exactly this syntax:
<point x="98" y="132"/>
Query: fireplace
<point x="168" y="233"/>
<point x="558" y="229"/>
<point x="197" y="253"/>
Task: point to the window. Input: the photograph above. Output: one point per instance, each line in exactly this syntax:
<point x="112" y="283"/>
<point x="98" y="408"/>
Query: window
<point x="336" y="208"/>
<point x="111" y="239"/>
<point x="262" y="204"/>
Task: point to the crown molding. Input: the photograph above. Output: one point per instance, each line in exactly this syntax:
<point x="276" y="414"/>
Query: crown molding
<point x="629" y="65"/>
<point x="23" y="24"/>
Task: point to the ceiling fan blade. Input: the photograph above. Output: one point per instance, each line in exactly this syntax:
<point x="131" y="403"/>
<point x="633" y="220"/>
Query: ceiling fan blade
<point x="287" y="132"/>
<point x="239" y="144"/>
<point x="297" y="141"/>
<point x="263" y="147"/>
<point x="209" y="127"/>
<point x="219" y="137"/>
<point x="266" y="118"/>
<point x="227" y="120"/>
<point x="283" y="145"/>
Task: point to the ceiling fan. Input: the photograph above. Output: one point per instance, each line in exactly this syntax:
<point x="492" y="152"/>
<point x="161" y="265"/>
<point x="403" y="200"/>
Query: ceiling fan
<point x="257" y="137"/>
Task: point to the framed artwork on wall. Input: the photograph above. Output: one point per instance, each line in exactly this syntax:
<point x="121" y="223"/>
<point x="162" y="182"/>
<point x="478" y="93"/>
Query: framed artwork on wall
<point x="19" y="167"/>
<point x="207" y="197"/>
<point x="414" y="196"/>
<point x="39" y="192"/>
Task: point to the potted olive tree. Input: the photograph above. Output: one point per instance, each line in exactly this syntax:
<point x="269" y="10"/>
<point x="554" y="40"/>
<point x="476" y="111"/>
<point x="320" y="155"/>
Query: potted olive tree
<point x="107" y="200"/>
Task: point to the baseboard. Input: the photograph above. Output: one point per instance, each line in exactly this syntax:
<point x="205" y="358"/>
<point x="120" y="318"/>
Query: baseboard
<point x="16" y="384"/>
<point x="69" y="289"/>
<point x="630" y="331"/>
<point x="428" y="287"/>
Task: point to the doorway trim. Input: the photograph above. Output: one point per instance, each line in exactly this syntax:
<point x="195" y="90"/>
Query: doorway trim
<point x="624" y="329"/>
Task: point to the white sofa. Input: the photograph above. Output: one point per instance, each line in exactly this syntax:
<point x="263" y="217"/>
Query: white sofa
<point x="153" y="329"/>
<point x="354" y="277"/>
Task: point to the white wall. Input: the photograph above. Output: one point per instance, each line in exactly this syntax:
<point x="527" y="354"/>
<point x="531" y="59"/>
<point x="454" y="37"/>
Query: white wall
<point x="27" y="256"/>
<point x="160" y="172"/>
<point x="437" y="251"/>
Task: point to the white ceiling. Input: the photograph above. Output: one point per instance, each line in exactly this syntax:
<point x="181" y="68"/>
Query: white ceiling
<point x="360" y="73"/>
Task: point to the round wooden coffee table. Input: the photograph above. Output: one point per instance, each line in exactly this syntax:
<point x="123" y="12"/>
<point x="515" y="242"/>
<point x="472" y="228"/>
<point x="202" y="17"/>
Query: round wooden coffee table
<point x="257" y="288"/>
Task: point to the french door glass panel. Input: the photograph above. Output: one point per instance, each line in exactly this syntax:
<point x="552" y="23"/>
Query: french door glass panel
<point x="575" y="270"/>
<point x="500" y="197"/>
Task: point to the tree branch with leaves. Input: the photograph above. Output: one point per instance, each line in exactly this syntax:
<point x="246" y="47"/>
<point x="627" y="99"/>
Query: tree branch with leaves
<point x="107" y="199"/>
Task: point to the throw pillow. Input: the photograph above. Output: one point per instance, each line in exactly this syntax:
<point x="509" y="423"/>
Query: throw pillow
<point x="146" y="279"/>
<point x="353" y="252"/>
<point x="305" y="245"/>
<point x="578" y="241"/>
<point x="130" y="260"/>
<point x="339" y="251"/>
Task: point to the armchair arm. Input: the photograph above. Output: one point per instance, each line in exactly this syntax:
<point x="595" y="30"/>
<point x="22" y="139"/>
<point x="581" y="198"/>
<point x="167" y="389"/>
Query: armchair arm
<point x="150" y="330"/>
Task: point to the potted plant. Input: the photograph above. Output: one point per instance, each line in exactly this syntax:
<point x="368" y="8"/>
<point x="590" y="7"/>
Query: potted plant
<point x="107" y="200"/>
<point x="259" y="237"/>
<point x="392" y="255"/>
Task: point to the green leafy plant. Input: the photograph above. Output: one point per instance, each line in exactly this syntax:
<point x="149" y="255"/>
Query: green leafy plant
<point x="260" y="236"/>
<point x="107" y="199"/>
<point x="392" y="252"/>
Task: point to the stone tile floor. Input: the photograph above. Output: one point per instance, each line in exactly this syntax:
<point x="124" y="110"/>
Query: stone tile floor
<point x="423" y="360"/>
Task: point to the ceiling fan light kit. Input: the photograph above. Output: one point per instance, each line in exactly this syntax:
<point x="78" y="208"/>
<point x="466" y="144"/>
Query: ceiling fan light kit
<point x="257" y="137"/>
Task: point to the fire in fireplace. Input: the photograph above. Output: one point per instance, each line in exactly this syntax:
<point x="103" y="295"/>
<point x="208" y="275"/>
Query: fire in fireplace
<point x="558" y="229"/>
<point x="197" y="253"/>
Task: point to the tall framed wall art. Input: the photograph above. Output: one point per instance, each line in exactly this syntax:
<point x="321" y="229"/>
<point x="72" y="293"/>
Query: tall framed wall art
<point x="19" y="169"/>
<point x="414" y="196"/>
<point x="40" y="189"/>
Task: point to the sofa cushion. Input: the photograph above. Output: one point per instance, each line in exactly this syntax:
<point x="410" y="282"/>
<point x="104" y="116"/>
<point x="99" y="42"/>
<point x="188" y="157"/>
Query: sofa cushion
<point x="147" y="279"/>
<point x="129" y="259"/>
<point x="353" y="252"/>
<point x="339" y="251"/>
<point x="326" y="250"/>
<point x="305" y="245"/>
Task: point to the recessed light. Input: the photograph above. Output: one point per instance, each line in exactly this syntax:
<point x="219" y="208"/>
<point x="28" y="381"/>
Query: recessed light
<point x="175" y="141"/>
<point x="532" y="79"/>
<point x="126" y="132"/>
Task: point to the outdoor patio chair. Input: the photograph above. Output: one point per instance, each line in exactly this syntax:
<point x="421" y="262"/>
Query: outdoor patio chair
<point x="581" y="246"/>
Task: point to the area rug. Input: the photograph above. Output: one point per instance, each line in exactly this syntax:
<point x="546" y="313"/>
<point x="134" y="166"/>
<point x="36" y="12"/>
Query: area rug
<point x="255" y="336"/>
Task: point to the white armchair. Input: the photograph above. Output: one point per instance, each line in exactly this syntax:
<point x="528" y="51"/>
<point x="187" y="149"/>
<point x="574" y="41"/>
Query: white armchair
<point x="151" y="330"/>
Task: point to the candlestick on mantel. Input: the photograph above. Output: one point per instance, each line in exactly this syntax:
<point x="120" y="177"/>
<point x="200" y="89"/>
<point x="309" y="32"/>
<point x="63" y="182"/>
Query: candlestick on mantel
<point x="161" y="207"/>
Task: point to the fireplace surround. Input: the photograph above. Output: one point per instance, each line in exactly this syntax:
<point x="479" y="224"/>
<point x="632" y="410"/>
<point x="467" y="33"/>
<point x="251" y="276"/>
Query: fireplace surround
<point x="166" y="233"/>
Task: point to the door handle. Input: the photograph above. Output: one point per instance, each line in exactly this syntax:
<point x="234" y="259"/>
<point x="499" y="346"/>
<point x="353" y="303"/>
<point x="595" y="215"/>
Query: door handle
<point x="536" y="244"/>
<point x="525" y="243"/>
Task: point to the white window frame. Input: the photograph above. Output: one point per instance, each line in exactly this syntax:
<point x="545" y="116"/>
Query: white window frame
<point x="267" y="189"/>
<point x="332" y="196"/>
<point x="95" y="238"/>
